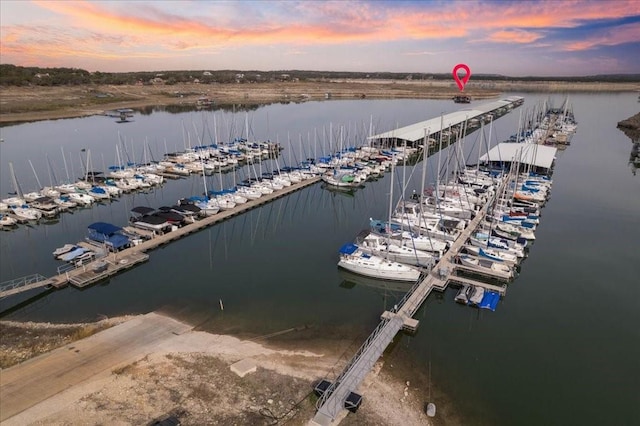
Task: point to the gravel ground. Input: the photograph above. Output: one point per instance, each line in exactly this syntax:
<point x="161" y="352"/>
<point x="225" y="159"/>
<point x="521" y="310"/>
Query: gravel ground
<point x="189" y="376"/>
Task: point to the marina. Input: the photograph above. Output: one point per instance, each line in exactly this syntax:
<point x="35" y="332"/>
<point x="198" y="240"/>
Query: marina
<point x="81" y="272"/>
<point x="544" y="237"/>
<point x="97" y="264"/>
<point x="340" y="394"/>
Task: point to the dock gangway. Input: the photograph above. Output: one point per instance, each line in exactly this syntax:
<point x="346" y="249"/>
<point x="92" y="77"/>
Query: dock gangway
<point x="21" y="284"/>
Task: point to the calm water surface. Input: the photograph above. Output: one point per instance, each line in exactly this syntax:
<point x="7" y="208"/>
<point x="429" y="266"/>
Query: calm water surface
<point x="562" y="347"/>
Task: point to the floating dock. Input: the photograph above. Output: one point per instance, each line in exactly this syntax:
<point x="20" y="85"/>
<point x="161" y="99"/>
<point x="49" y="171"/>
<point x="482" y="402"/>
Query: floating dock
<point x="117" y="262"/>
<point x="333" y="400"/>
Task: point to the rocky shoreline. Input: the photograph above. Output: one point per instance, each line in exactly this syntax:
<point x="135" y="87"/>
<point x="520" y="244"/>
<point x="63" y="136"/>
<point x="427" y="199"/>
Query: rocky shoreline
<point x="33" y="103"/>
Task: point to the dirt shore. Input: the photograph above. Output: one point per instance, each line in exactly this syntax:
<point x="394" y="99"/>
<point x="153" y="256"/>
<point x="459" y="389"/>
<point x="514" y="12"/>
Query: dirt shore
<point x="22" y="104"/>
<point x="631" y="127"/>
<point x="188" y="374"/>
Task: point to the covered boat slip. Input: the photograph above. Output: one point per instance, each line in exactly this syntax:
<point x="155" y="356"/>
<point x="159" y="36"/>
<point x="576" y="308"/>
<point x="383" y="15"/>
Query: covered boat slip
<point x="109" y="235"/>
<point x="415" y="134"/>
<point x="539" y="157"/>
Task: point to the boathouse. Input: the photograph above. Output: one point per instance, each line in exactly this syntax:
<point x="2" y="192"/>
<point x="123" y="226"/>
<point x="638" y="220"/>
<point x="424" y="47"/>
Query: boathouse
<point x="109" y="235"/>
<point x="414" y="135"/>
<point x="540" y="158"/>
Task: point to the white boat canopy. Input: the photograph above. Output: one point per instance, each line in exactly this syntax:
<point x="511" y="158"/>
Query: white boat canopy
<point x="416" y="132"/>
<point x="527" y="153"/>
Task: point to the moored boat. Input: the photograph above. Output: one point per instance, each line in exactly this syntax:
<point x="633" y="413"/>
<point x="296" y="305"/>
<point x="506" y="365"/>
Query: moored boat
<point x="64" y="249"/>
<point x="356" y="261"/>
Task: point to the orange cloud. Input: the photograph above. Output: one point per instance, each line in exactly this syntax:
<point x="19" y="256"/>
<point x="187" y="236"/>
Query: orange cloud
<point x="101" y="30"/>
<point x="331" y="22"/>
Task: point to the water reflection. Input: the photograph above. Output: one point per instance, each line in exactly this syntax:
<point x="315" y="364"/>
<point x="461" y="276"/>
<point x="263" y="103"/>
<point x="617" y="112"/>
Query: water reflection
<point x="350" y="280"/>
<point x="634" y="158"/>
<point x="179" y="108"/>
<point x="630" y="128"/>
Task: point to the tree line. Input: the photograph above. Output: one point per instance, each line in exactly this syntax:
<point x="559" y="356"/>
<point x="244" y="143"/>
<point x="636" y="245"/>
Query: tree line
<point x="13" y="75"/>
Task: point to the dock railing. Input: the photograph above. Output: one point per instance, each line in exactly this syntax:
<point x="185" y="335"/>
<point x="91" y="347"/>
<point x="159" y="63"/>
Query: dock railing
<point x="398" y="306"/>
<point x="21" y="282"/>
<point x="351" y="363"/>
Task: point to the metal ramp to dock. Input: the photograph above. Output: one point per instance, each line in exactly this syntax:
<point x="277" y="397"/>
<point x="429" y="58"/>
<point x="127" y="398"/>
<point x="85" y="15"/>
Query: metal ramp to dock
<point x="332" y="402"/>
<point x="21" y="284"/>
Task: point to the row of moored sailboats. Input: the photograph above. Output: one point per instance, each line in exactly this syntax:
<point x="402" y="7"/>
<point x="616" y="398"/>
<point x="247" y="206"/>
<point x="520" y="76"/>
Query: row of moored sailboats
<point x="421" y="229"/>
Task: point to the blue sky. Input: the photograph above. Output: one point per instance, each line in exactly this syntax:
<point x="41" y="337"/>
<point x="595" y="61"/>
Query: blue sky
<point x="514" y="38"/>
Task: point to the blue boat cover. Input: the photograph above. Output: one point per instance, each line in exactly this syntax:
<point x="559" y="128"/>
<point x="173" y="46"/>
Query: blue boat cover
<point x="348" y="248"/>
<point x="108" y="234"/>
<point x="104" y="228"/>
<point x="72" y="254"/>
<point x="489" y="300"/>
<point x="197" y="198"/>
<point x="118" y="241"/>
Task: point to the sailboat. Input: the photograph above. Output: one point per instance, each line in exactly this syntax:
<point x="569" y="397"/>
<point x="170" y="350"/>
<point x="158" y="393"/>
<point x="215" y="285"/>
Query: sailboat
<point x="355" y="259"/>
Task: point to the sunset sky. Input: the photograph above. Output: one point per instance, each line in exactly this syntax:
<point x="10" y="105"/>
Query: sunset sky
<point x="514" y="38"/>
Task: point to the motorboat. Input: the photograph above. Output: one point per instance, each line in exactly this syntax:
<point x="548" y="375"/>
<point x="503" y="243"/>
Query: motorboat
<point x="64" y="249"/>
<point x="71" y="255"/>
<point x="476" y="296"/>
<point x="463" y="294"/>
<point x="25" y="213"/>
<point x="7" y="221"/>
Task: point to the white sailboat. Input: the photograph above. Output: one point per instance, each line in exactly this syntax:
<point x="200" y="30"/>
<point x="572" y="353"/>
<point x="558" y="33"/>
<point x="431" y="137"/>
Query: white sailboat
<point x="499" y="270"/>
<point x="353" y="258"/>
<point x="380" y="246"/>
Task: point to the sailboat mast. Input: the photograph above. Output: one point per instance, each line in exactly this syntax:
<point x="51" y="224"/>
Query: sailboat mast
<point x="425" y="157"/>
<point x="439" y="159"/>
<point x="404" y="168"/>
<point x="52" y="177"/>
<point x="35" y="174"/>
<point x="64" y="159"/>
<point x="16" y="187"/>
<point x="204" y="179"/>
<point x="393" y="166"/>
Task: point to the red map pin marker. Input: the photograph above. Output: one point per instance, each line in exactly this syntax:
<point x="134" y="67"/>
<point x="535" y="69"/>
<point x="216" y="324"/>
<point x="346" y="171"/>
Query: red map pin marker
<point x="461" y="81"/>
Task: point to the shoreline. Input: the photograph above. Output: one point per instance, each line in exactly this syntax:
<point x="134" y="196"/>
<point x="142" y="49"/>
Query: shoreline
<point x="36" y="103"/>
<point x="187" y="362"/>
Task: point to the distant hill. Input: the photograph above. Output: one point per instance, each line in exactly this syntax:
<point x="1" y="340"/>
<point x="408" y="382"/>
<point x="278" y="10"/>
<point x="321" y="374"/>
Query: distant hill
<point x="12" y="75"/>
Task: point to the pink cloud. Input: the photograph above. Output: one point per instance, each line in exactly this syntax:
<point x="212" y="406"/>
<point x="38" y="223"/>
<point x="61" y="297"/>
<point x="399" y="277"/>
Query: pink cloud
<point x="514" y="36"/>
<point x="109" y="31"/>
<point x="627" y="33"/>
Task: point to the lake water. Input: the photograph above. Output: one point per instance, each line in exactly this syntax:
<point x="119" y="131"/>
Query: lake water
<point x="562" y="347"/>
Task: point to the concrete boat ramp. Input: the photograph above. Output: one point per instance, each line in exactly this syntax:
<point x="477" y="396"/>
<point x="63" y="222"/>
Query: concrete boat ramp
<point x="34" y="381"/>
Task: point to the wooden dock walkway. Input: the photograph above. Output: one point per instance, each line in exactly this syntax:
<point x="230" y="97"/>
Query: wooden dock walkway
<point x="501" y="290"/>
<point x="332" y="402"/>
<point x="85" y="275"/>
